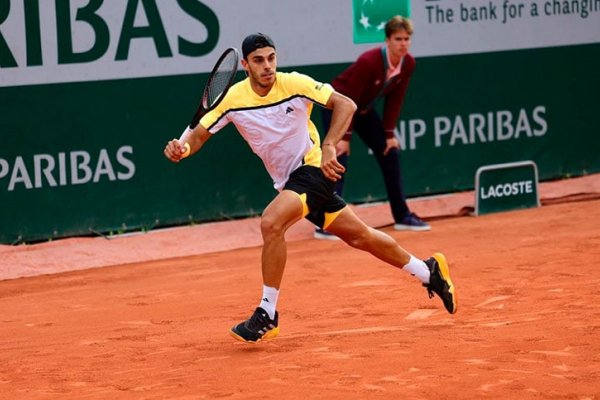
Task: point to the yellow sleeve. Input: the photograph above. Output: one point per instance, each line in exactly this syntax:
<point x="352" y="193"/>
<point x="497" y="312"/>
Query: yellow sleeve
<point x="215" y="119"/>
<point x="306" y="86"/>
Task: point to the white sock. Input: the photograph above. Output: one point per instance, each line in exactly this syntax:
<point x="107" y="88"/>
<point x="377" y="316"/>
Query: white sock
<point x="417" y="268"/>
<point x="269" y="300"/>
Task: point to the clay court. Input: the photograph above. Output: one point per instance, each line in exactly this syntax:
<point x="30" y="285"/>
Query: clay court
<point x="527" y="327"/>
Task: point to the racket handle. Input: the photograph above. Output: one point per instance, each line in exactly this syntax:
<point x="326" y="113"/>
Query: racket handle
<point x="196" y="119"/>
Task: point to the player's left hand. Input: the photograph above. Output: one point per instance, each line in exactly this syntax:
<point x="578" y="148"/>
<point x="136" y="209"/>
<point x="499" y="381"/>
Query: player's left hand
<point x="391" y="143"/>
<point x="330" y="166"/>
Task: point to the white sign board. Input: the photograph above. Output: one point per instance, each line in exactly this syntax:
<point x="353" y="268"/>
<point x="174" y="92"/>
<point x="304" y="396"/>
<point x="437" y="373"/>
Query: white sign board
<point x="99" y="39"/>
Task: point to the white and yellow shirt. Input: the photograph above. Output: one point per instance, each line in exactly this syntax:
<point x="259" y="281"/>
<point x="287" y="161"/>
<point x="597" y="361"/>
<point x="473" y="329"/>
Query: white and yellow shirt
<point x="277" y="126"/>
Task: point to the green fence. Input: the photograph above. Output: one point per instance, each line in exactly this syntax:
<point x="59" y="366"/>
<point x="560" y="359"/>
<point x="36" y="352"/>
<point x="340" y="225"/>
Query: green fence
<point x="86" y="158"/>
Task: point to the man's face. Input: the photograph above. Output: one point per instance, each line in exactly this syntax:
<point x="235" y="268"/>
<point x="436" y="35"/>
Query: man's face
<point x="398" y="43"/>
<point x="261" y="66"/>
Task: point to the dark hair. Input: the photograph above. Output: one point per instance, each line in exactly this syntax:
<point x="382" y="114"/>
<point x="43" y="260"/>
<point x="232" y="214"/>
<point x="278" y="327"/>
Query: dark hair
<point x="255" y="41"/>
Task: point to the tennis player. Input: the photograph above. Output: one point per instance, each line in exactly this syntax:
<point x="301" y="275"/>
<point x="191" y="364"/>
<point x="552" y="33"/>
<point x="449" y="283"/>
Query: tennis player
<point x="271" y="110"/>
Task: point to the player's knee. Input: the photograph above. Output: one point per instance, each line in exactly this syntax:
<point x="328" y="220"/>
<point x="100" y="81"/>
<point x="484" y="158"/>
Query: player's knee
<point x="270" y="226"/>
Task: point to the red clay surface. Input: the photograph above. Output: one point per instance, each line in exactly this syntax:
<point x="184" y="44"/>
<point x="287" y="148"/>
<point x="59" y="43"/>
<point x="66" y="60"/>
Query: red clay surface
<point x="527" y="327"/>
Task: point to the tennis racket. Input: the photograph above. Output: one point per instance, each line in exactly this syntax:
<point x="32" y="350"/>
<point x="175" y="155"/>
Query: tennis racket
<point x="219" y="82"/>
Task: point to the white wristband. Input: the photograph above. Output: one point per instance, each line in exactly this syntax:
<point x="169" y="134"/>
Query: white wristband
<point x="186" y="130"/>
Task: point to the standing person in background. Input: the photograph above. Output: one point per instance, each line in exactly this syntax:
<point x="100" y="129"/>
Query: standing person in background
<point x="380" y="73"/>
<point x="271" y="110"/>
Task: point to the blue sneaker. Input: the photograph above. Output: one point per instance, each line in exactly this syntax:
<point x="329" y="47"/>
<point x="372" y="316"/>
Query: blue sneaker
<point x="322" y="234"/>
<point x="412" y="223"/>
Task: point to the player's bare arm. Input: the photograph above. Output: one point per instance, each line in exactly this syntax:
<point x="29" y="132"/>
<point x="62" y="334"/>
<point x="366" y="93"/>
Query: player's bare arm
<point x="343" y="109"/>
<point x="189" y="143"/>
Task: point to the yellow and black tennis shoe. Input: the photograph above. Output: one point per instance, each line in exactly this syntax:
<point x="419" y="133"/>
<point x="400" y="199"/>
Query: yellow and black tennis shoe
<point x="259" y="327"/>
<point x="440" y="282"/>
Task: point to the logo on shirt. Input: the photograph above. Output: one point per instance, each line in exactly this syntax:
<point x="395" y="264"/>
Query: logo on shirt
<point x="319" y="86"/>
<point x="288" y="110"/>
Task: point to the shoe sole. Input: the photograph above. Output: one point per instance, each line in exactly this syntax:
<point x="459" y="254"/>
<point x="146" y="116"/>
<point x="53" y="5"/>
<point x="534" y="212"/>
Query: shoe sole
<point x="445" y="272"/>
<point x="269" y="335"/>
<point x="322" y="236"/>
<point x="399" y="227"/>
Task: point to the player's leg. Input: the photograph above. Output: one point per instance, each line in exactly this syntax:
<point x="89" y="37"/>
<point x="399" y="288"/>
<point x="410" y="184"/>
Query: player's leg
<point x="285" y="210"/>
<point x="348" y="227"/>
<point x="433" y="272"/>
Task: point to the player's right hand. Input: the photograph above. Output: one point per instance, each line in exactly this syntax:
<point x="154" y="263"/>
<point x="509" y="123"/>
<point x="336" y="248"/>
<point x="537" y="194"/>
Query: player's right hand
<point x="174" y="151"/>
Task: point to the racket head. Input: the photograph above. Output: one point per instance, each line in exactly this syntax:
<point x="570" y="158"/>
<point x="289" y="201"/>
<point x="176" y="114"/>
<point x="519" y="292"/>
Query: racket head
<point x="218" y="83"/>
<point x="220" y="79"/>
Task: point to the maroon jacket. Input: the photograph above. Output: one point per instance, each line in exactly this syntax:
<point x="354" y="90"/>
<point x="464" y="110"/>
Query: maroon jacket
<point x="363" y="80"/>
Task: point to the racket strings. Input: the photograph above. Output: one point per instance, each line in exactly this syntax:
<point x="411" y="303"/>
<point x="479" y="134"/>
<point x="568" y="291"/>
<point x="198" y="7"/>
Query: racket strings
<point x="220" y="80"/>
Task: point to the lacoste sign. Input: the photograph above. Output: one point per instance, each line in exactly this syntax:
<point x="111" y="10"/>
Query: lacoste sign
<point x="503" y="187"/>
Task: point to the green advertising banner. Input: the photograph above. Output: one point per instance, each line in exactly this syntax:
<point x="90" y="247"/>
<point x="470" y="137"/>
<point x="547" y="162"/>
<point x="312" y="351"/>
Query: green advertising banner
<point x="86" y="158"/>
<point x="369" y="18"/>
<point x="90" y="92"/>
